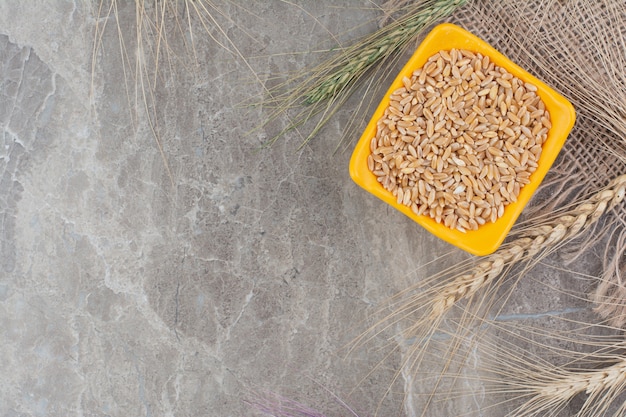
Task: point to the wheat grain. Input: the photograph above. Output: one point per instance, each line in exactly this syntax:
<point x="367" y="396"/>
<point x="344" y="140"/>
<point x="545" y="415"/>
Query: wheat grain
<point x="434" y="131"/>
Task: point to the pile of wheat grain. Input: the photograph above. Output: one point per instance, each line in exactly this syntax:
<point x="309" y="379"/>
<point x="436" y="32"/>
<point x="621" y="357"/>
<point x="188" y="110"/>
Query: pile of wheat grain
<point x="459" y="140"/>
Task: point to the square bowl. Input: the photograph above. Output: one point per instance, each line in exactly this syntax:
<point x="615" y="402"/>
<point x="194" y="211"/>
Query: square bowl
<point x="488" y="237"/>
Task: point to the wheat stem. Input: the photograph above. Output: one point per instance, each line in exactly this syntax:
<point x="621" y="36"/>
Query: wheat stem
<point x="324" y="88"/>
<point x="530" y="242"/>
<point x="357" y="59"/>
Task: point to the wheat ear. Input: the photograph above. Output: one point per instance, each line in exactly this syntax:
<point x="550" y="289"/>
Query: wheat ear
<point x="548" y="391"/>
<point x="357" y="59"/>
<point x="582" y="361"/>
<point x="590" y="382"/>
<point x="532" y="241"/>
<point x="323" y="89"/>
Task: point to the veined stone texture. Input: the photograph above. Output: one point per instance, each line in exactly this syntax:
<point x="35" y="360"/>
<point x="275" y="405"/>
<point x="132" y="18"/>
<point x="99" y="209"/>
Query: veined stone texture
<point x="155" y="260"/>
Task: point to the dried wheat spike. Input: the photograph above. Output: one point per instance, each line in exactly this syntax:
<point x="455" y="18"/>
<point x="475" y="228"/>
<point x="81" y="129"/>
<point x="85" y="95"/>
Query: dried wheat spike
<point x="600" y="386"/>
<point x="357" y="59"/>
<point x="590" y="382"/>
<point x="531" y="242"/>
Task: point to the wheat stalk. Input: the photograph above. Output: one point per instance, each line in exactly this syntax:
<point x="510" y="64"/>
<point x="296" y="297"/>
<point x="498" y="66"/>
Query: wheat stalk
<point x="323" y="89"/>
<point x="533" y="240"/>
<point x="358" y="58"/>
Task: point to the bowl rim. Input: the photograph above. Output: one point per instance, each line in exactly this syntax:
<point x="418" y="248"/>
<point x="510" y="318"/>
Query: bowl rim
<point x="490" y="236"/>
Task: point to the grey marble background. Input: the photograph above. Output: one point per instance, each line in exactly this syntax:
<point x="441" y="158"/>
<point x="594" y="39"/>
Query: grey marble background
<point x="138" y="281"/>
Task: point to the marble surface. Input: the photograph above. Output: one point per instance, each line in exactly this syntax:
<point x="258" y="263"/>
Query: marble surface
<point x="154" y="261"/>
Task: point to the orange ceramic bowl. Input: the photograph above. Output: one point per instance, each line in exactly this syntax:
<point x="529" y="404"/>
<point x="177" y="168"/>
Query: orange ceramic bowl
<point x="489" y="236"/>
